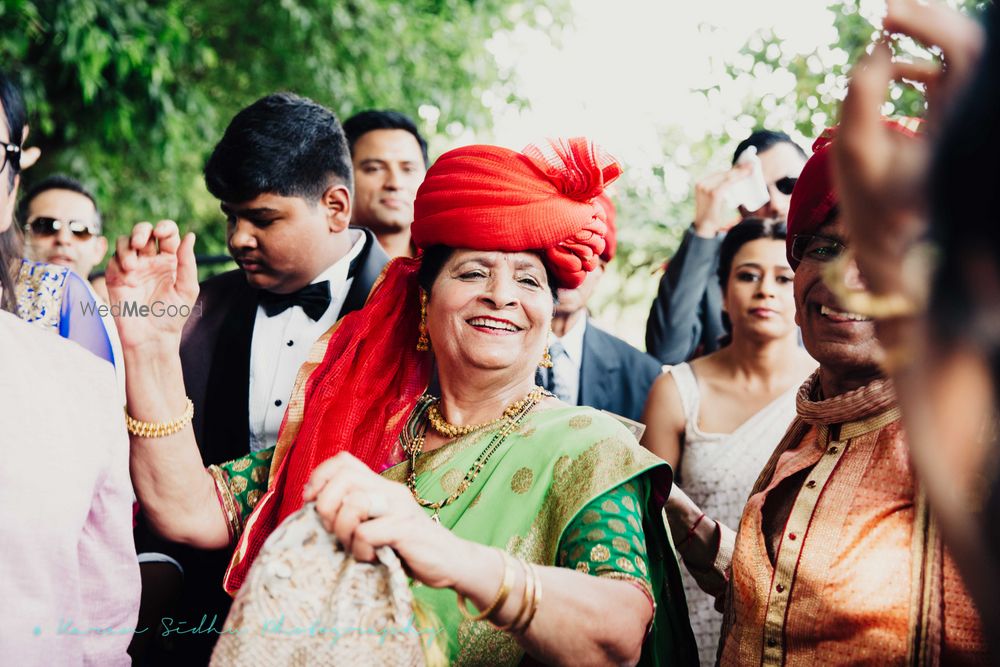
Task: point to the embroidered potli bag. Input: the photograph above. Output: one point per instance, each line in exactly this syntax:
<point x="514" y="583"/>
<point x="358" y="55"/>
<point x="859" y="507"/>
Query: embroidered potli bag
<point x="306" y="602"/>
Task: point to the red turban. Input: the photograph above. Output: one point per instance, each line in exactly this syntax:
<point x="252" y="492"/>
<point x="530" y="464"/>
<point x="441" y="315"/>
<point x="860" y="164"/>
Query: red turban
<point x="359" y="397"/>
<point x="491" y="198"/>
<point x="611" y="240"/>
<point x="814" y="197"/>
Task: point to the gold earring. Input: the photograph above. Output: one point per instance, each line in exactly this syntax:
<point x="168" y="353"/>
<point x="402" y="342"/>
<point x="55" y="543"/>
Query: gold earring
<point x="546" y="361"/>
<point x="423" y="342"/>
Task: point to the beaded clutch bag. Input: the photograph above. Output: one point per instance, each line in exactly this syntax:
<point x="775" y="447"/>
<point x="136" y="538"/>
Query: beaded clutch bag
<point x="307" y="602"/>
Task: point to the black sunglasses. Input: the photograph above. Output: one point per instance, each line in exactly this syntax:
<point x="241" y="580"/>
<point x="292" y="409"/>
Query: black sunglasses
<point x="11" y="154"/>
<point x="45" y="226"/>
<point x="814" y="248"/>
<point x="785" y="185"/>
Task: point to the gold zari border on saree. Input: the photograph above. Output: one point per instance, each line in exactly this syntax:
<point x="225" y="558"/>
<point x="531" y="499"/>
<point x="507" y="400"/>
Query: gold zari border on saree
<point x="228" y="503"/>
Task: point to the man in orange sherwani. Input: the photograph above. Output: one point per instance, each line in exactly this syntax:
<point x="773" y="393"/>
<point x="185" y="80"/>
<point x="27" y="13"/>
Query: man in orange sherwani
<point x="836" y="559"/>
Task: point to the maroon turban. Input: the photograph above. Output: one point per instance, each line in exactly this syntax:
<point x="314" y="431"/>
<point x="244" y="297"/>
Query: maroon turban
<point x="814" y="197"/>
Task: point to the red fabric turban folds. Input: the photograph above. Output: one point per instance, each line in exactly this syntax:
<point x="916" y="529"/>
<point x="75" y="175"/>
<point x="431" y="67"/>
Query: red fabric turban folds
<point x="611" y="240"/>
<point x="814" y="197"/>
<point x="492" y="198"/>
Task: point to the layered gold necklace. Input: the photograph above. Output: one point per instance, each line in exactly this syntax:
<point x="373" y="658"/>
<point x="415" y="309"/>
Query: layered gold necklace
<point x="449" y="430"/>
<point x="512" y="417"/>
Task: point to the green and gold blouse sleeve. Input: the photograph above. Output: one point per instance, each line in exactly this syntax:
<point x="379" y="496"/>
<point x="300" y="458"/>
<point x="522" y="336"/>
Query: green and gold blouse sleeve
<point x="606" y="538"/>
<point x="240" y="483"/>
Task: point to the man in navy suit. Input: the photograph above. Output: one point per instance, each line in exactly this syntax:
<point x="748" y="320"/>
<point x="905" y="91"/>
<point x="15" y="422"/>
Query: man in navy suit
<point x="590" y="366"/>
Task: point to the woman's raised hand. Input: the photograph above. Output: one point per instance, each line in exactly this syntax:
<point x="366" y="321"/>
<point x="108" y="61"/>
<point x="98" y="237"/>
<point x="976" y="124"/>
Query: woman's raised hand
<point x="153" y="283"/>
<point x="366" y="511"/>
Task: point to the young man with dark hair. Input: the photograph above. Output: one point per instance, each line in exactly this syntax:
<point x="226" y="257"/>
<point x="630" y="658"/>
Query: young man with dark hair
<point x="686" y="316"/>
<point x="390" y="160"/>
<point x="282" y="173"/>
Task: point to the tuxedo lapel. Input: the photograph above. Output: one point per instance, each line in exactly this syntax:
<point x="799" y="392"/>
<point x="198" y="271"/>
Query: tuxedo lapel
<point x="370" y="263"/>
<point x="227" y="399"/>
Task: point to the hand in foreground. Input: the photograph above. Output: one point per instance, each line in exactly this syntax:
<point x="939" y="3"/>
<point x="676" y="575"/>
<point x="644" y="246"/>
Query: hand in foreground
<point x="365" y="511"/>
<point x="712" y="214"/>
<point x="882" y="174"/>
<point x="153" y="268"/>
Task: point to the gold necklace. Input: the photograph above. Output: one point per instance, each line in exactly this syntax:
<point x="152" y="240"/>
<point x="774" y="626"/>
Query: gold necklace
<point x="449" y="430"/>
<point x="415" y="447"/>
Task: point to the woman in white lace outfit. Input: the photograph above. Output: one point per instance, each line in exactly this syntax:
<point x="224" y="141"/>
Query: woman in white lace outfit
<point x="717" y="419"/>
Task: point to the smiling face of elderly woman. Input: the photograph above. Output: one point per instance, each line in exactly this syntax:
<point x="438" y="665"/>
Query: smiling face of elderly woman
<point x="487" y="310"/>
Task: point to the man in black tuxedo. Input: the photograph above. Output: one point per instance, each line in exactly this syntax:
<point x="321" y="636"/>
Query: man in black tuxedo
<point x="282" y="173"/>
<point x="590" y="366"/>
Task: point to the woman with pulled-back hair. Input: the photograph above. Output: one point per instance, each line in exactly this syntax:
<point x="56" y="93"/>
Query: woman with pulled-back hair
<point x="717" y="419"/>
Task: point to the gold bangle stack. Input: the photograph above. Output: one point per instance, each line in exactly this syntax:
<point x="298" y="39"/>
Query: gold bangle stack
<point x="159" y="429"/>
<point x="529" y="603"/>
<point x="501" y="596"/>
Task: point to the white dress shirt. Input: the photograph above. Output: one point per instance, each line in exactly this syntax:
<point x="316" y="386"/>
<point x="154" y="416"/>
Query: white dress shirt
<point x="280" y="345"/>
<point x="567" y="368"/>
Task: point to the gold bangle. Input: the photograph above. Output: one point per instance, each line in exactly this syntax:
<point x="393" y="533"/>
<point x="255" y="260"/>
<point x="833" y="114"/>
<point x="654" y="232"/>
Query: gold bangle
<point x="501" y="596"/>
<point x="159" y="429"/>
<point x="535" y="600"/>
<point x="529" y="588"/>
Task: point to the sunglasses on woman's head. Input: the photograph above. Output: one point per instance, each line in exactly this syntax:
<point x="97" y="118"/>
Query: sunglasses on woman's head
<point x="45" y="226"/>
<point x="10" y="154"/>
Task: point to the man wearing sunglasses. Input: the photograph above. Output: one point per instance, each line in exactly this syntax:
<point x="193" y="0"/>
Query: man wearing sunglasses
<point x="686" y="316"/>
<point x="63" y="226"/>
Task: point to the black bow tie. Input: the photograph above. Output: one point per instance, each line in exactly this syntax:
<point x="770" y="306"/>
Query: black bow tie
<point x="313" y="299"/>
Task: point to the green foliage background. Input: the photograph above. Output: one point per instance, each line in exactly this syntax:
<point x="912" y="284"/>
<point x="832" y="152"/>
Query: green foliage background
<point x="131" y="95"/>
<point x="653" y="212"/>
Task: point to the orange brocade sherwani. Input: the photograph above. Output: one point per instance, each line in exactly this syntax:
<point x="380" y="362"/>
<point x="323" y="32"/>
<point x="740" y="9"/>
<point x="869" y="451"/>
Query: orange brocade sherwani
<point x="858" y="574"/>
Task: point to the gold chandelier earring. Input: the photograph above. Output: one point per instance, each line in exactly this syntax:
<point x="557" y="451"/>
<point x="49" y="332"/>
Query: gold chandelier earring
<point x="423" y="342"/>
<point x="546" y="361"/>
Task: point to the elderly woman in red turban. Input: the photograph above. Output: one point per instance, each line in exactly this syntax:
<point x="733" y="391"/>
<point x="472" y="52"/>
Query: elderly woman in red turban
<point x="495" y="490"/>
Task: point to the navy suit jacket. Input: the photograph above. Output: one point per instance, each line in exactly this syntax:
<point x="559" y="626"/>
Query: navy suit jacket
<point x="686" y="315"/>
<point x="615" y="376"/>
